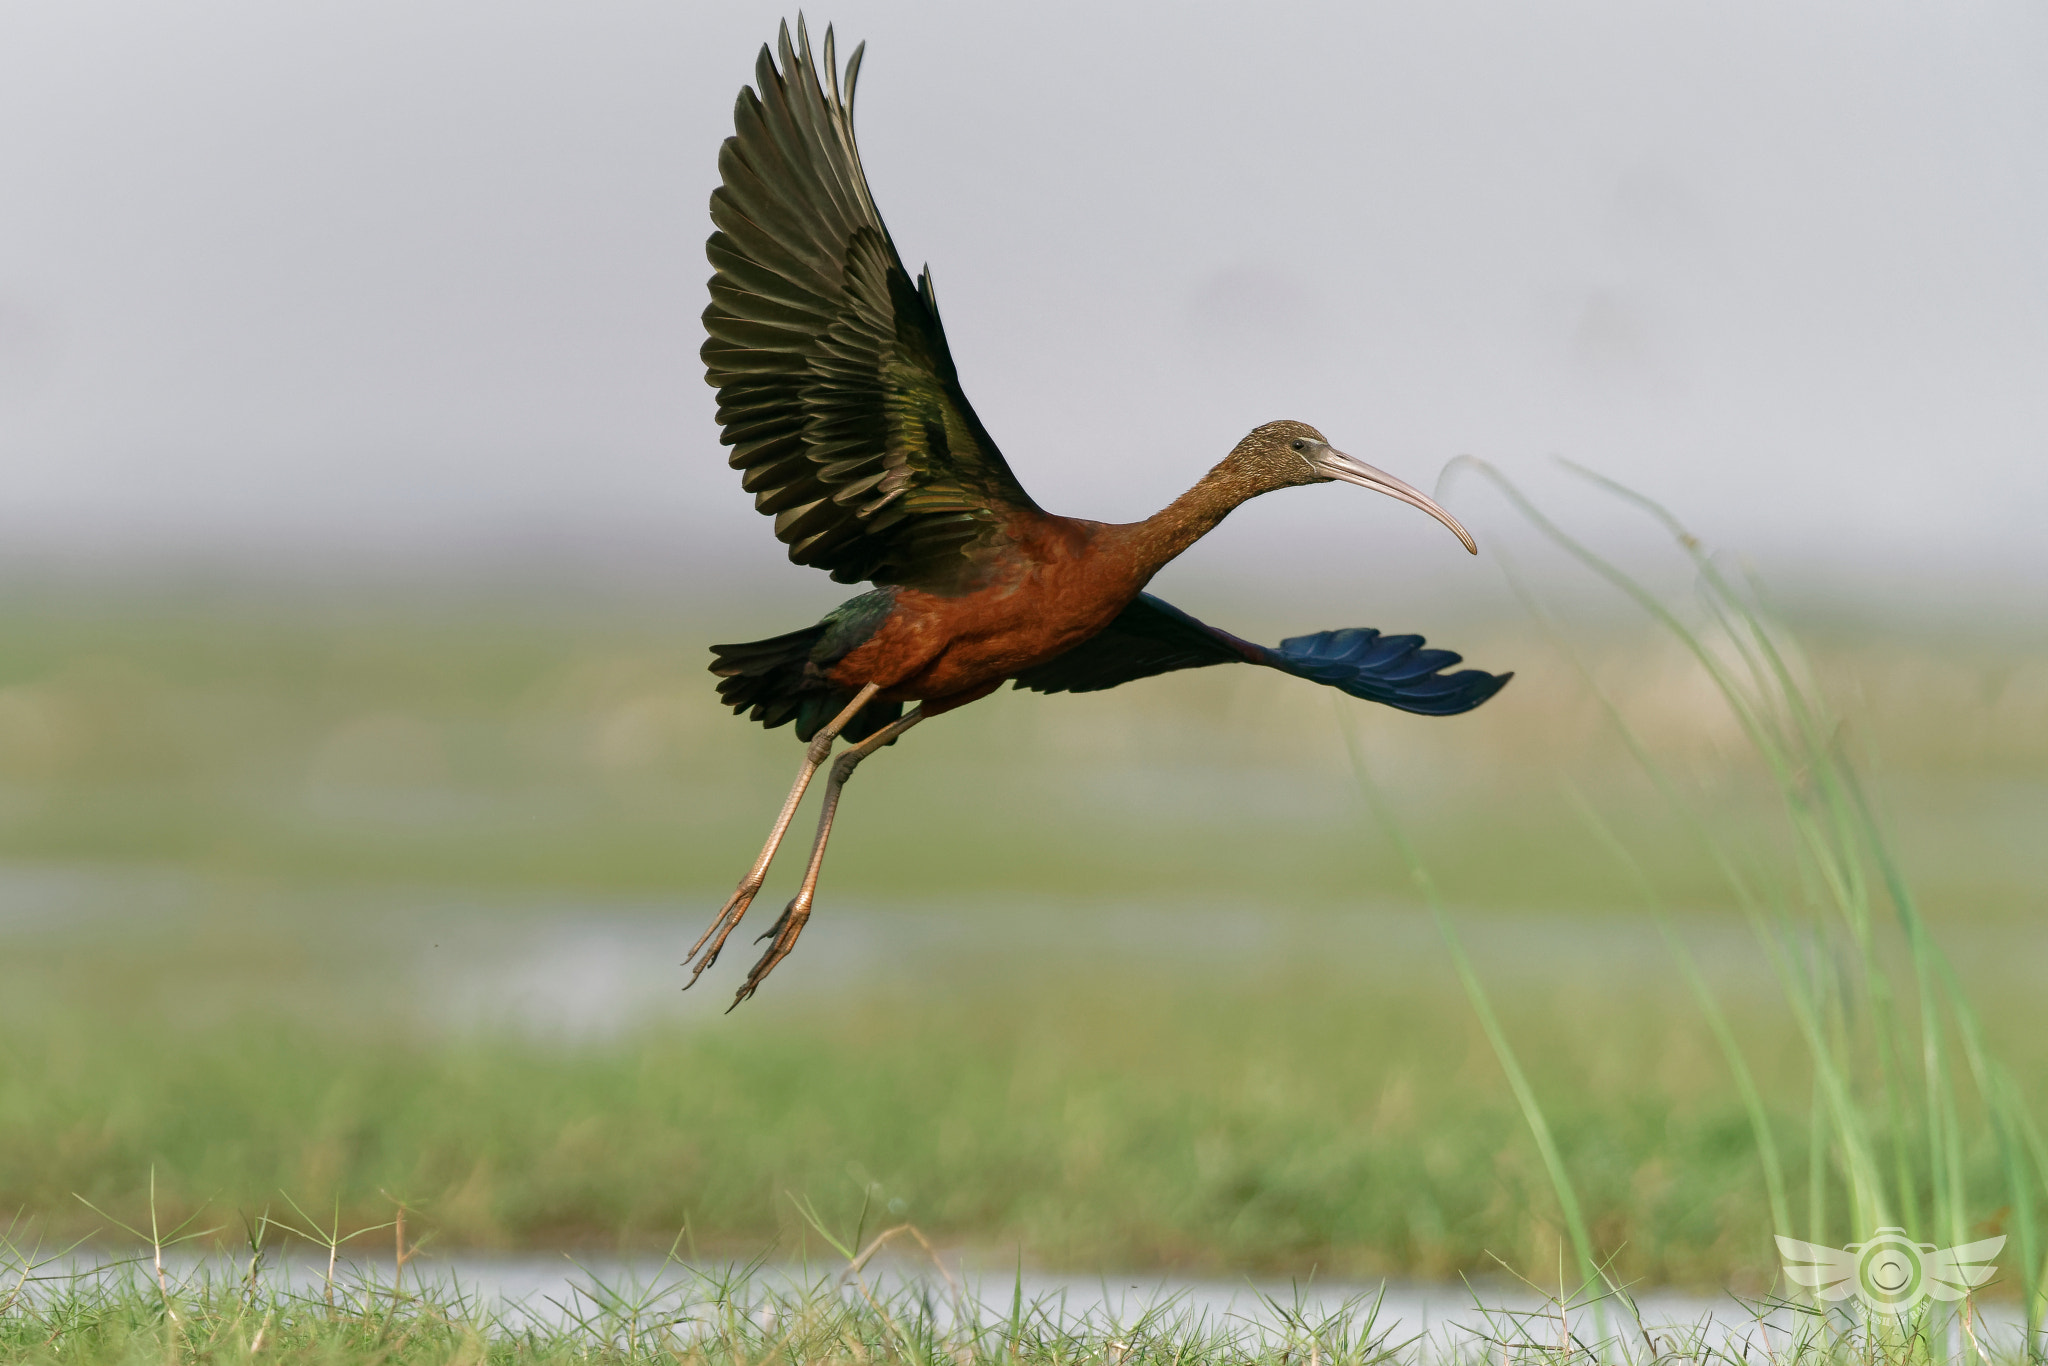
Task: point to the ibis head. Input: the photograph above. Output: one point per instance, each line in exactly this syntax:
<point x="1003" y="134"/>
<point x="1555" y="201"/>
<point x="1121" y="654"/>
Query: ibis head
<point x="1285" y="453"/>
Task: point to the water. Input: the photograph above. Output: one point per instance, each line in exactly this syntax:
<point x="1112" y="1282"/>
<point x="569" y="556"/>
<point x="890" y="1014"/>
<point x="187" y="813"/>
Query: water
<point x="612" y="1292"/>
<point x="594" y="966"/>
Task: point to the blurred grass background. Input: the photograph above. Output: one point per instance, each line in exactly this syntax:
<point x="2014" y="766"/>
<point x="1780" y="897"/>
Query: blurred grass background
<point x="368" y="899"/>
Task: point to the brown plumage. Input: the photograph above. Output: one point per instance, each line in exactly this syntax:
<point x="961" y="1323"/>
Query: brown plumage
<point x="1051" y="582"/>
<point x="838" y="395"/>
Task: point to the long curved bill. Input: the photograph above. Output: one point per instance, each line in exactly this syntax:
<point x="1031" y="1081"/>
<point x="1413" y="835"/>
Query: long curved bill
<point x="1338" y="465"/>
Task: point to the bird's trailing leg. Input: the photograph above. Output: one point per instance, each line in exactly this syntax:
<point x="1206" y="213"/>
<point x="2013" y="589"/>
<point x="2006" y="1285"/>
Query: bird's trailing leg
<point x="750" y="886"/>
<point x="785" y="930"/>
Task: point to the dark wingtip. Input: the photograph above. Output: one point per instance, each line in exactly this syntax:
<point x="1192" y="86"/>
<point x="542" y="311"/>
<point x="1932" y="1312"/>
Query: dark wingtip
<point x="1481" y="693"/>
<point x="1395" y="671"/>
<point x="853" y="73"/>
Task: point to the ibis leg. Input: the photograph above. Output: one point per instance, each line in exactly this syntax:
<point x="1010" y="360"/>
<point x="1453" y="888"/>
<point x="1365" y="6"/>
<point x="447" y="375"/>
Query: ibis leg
<point x="791" y="924"/>
<point x="750" y="886"/>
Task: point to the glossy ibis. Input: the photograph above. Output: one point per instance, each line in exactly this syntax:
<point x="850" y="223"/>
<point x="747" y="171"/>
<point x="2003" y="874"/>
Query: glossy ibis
<point x="837" y="394"/>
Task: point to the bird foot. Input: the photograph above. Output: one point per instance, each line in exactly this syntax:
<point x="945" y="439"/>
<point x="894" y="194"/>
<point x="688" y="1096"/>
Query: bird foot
<point x="724" y="924"/>
<point x="785" y="931"/>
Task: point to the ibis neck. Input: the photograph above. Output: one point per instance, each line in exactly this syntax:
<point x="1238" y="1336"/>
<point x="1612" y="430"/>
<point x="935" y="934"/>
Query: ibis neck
<point x="1152" y="543"/>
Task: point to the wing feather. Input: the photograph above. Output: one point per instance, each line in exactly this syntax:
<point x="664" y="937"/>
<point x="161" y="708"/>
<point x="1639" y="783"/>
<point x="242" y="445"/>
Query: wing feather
<point x="837" y="392"/>
<point x="1153" y="637"/>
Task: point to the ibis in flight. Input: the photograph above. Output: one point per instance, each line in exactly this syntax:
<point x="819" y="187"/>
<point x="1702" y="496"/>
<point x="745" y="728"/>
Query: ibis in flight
<point x="838" y="397"/>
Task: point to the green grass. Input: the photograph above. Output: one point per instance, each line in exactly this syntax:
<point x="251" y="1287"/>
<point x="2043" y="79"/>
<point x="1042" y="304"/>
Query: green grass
<point x="1880" y="1008"/>
<point x="477" y="746"/>
<point x="850" y="1309"/>
<point x="1278" y="1125"/>
<point x="315" y="781"/>
<point x="1344" y="1116"/>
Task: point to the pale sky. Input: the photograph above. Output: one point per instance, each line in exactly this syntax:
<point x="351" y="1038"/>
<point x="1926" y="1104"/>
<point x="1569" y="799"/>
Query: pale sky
<point x="410" y="277"/>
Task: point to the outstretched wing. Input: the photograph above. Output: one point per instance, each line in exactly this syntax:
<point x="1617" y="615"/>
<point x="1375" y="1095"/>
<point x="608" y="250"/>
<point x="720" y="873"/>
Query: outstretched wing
<point x="1153" y="637"/>
<point x="1831" y="1271"/>
<point x="835" y="386"/>
<point x="1953" y="1272"/>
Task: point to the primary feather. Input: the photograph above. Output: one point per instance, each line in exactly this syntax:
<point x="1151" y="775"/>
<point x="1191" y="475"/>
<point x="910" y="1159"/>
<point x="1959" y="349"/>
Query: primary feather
<point x="836" y="388"/>
<point x="1154" y="637"/>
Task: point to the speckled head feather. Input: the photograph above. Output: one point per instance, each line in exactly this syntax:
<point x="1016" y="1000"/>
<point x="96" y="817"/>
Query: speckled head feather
<point x="1278" y="455"/>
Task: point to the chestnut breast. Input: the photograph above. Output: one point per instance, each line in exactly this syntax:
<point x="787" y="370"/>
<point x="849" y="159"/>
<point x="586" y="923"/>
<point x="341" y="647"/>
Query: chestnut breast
<point x="1047" y="598"/>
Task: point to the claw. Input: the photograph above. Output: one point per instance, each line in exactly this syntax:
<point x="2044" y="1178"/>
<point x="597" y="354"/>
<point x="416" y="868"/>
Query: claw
<point x="785" y="930"/>
<point x="722" y="925"/>
<point x="776" y="928"/>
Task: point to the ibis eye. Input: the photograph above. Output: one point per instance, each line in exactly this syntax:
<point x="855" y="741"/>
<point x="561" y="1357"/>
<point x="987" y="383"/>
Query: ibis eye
<point x="1300" y="445"/>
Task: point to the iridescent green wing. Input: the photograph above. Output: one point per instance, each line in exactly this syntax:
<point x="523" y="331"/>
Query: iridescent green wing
<point x="835" y="386"/>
